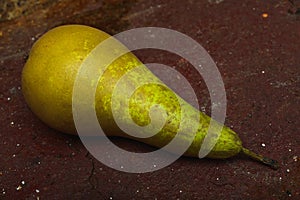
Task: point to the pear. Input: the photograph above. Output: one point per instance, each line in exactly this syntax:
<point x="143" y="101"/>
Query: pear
<point x="48" y="79"/>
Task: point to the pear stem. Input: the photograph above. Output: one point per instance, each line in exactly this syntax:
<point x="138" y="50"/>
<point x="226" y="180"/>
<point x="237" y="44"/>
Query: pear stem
<point x="267" y="161"/>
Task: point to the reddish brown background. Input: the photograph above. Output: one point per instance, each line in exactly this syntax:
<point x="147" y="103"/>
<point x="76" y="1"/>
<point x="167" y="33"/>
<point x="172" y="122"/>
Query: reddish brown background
<point x="259" y="60"/>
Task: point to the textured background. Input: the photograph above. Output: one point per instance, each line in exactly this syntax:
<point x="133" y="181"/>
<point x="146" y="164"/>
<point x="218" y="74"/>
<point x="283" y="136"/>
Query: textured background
<point x="259" y="60"/>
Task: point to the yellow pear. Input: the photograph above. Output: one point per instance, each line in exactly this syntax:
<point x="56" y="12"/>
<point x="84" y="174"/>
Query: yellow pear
<point x="48" y="80"/>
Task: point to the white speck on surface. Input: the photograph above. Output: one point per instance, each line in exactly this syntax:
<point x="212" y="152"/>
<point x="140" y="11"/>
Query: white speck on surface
<point x="12" y="123"/>
<point x="37" y="191"/>
<point x="295" y="158"/>
<point x="8" y="98"/>
<point x="18" y="145"/>
<point x="33" y="38"/>
<point x="280" y="178"/>
<point x="154" y="165"/>
<point x="278" y="84"/>
<point x="148" y="188"/>
<point x="122" y="167"/>
<point x="14" y="155"/>
<point x="39" y="163"/>
<point x="180" y="191"/>
<point x="202" y="108"/>
<point x="23" y="182"/>
<point x="19" y="188"/>
<point x="110" y="198"/>
<point x="119" y="181"/>
<point x="290" y="150"/>
<point x="287" y="170"/>
<point x="137" y="191"/>
<point x="218" y="179"/>
<point x="262" y="71"/>
<point x="263" y="144"/>
<point x="215" y="1"/>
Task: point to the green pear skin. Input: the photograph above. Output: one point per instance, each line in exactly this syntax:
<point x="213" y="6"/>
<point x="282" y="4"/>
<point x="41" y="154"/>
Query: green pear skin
<point x="145" y="97"/>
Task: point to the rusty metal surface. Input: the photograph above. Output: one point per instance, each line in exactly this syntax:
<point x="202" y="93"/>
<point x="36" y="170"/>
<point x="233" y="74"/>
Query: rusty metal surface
<point x="256" y="47"/>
